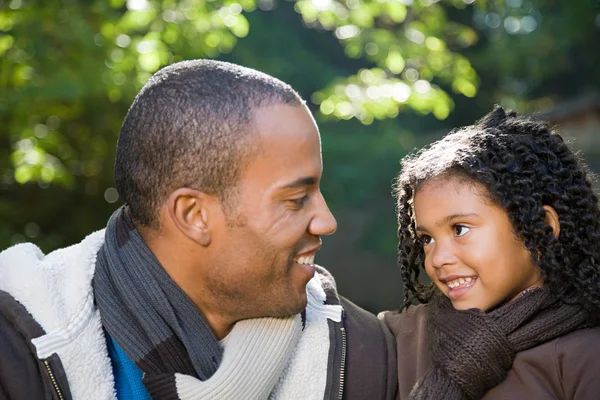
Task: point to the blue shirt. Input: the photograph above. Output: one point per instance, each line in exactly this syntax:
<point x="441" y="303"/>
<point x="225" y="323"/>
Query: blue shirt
<point x="128" y="376"/>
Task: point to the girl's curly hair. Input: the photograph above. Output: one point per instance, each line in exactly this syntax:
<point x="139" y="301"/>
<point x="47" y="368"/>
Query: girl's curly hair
<point x="523" y="166"/>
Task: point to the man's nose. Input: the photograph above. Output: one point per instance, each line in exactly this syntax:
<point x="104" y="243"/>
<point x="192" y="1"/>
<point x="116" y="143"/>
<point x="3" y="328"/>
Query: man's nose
<point x="323" y="222"/>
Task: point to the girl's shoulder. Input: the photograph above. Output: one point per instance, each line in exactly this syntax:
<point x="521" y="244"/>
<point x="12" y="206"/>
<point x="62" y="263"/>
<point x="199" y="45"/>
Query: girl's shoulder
<point x="579" y="340"/>
<point x="410" y="331"/>
<point x="578" y="351"/>
<point x="577" y="354"/>
<point x="567" y="366"/>
<point x="405" y="321"/>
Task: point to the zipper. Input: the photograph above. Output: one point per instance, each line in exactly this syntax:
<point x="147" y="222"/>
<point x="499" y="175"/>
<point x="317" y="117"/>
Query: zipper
<point x="342" y="363"/>
<point x="58" y="392"/>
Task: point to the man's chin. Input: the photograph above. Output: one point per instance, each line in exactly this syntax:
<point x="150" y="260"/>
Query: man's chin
<point x="295" y="308"/>
<point x="288" y="300"/>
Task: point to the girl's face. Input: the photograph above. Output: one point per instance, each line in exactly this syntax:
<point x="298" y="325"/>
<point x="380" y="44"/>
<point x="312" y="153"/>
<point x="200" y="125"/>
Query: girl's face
<point x="471" y="252"/>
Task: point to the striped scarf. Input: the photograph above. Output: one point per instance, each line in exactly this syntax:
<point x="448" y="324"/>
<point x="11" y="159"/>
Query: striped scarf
<point x="165" y="335"/>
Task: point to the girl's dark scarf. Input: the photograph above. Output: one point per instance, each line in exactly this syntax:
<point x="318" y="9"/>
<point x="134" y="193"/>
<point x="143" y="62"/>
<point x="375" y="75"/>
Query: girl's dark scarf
<point x="148" y="315"/>
<point x="472" y="351"/>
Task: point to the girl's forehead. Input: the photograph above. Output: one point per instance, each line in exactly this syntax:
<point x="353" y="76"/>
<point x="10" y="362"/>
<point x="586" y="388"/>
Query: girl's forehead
<point x="456" y="184"/>
<point x="440" y="199"/>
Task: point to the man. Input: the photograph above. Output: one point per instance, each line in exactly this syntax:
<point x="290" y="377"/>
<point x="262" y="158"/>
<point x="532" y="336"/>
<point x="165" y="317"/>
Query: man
<point x="203" y="286"/>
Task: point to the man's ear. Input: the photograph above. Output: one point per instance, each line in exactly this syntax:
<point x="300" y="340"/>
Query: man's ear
<point x="552" y="221"/>
<point x="192" y="212"/>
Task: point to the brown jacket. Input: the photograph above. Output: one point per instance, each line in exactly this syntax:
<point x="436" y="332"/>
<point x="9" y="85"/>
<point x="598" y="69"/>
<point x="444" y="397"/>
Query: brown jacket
<point x="564" y="368"/>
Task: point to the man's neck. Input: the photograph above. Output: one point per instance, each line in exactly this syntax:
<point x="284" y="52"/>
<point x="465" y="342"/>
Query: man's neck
<point x="178" y="262"/>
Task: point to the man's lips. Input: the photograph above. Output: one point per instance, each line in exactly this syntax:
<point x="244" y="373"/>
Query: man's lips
<point x="308" y="253"/>
<point x="306" y="260"/>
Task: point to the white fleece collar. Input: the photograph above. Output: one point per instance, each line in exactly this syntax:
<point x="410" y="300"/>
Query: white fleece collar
<point x="305" y="376"/>
<point x="56" y="290"/>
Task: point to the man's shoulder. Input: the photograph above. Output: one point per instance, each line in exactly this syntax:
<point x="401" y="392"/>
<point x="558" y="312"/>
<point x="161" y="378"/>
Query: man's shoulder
<point x="371" y="368"/>
<point x="19" y="369"/>
<point x="54" y="289"/>
<point x="358" y="321"/>
<point x="19" y="254"/>
<point x="364" y="327"/>
<point x="361" y="316"/>
<point x="28" y="254"/>
<point x="38" y="280"/>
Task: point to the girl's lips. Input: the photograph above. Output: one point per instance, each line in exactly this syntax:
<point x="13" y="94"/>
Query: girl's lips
<point x="455" y="293"/>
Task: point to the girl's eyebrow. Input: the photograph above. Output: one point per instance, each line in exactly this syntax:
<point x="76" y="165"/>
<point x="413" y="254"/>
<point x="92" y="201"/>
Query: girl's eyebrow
<point x="448" y="219"/>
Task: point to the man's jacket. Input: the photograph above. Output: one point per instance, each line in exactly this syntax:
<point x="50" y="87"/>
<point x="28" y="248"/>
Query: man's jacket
<point x="53" y="346"/>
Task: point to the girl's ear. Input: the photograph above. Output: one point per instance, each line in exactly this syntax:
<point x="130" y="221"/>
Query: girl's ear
<point x="552" y="221"/>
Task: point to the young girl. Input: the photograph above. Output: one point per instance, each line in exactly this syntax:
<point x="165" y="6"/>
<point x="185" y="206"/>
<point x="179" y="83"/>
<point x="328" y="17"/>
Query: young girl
<point x="503" y="218"/>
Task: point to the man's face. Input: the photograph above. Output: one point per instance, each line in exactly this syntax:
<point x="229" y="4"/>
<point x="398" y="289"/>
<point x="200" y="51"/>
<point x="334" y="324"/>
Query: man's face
<point x="265" y="247"/>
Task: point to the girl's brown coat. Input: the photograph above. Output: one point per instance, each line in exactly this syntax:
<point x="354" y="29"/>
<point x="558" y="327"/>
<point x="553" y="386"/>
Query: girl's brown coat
<point x="567" y="368"/>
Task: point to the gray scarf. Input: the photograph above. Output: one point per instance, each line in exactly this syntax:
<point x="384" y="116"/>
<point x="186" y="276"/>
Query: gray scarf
<point x="148" y="315"/>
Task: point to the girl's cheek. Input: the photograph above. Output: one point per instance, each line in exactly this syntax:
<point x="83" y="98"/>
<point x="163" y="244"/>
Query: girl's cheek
<point x="429" y="270"/>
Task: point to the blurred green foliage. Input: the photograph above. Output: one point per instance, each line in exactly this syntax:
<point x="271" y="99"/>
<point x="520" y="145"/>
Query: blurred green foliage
<point x="60" y="59"/>
<point x="382" y="77"/>
<point x="70" y="70"/>
<point x="410" y="47"/>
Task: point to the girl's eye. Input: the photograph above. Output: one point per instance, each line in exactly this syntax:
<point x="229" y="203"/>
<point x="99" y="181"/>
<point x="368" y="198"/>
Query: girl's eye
<point x="427" y="239"/>
<point x="461" y="230"/>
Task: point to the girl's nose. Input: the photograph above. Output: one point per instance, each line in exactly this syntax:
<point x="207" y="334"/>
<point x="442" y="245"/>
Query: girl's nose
<point x="442" y="255"/>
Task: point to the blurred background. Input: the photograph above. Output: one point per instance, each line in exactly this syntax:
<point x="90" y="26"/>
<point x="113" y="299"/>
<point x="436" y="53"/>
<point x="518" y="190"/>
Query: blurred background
<point x="383" y="77"/>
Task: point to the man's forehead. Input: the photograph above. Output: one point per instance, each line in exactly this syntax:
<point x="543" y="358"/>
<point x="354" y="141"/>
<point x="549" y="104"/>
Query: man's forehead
<point x="284" y="119"/>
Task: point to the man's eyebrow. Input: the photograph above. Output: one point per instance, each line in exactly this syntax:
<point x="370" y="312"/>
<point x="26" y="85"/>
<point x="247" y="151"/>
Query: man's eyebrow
<point x="448" y="219"/>
<point x="305" y="181"/>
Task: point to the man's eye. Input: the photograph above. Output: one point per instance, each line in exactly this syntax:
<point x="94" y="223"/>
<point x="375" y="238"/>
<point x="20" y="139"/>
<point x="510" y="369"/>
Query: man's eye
<point x="461" y="230"/>
<point x="300" y="202"/>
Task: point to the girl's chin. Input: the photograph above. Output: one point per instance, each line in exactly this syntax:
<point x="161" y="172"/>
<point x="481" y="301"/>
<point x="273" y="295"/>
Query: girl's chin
<point x="467" y="299"/>
<point x="464" y="304"/>
<point x="461" y="305"/>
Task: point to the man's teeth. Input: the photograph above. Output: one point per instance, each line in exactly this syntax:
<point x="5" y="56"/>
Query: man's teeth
<point x="306" y="260"/>
<point x="460" y="281"/>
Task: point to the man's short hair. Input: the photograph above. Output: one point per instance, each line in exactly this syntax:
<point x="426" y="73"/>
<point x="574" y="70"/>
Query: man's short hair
<point x="192" y="126"/>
